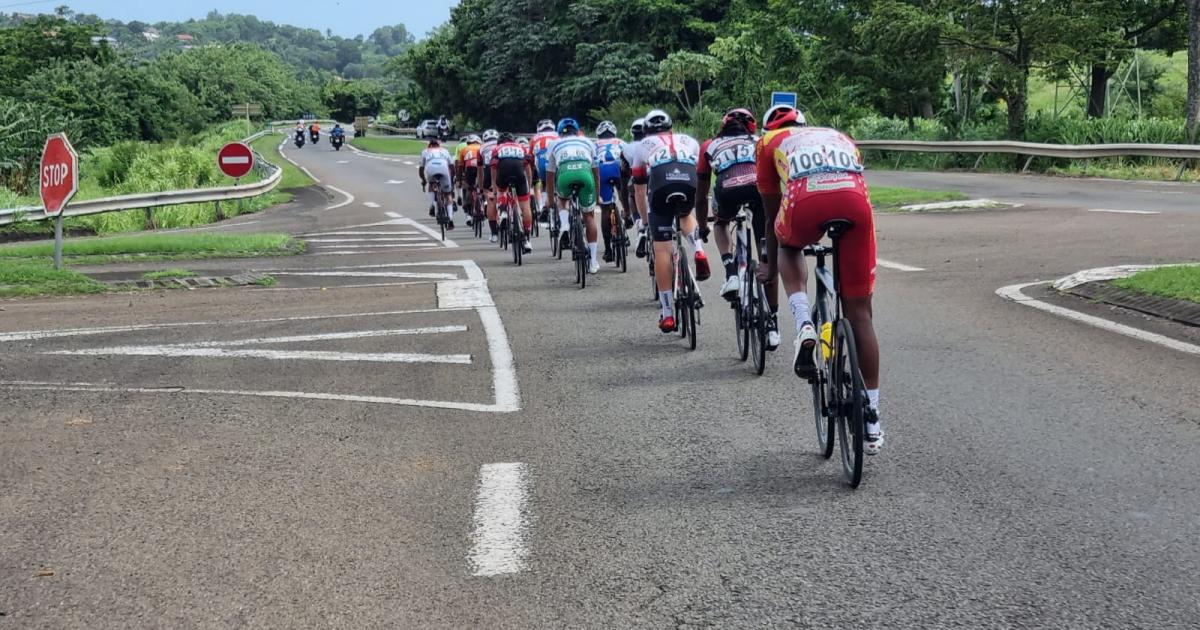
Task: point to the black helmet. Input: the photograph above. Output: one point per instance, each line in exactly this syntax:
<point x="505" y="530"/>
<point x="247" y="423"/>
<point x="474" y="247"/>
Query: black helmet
<point x="658" y="121"/>
<point x="506" y="136"/>
<point x="638" y="129"/>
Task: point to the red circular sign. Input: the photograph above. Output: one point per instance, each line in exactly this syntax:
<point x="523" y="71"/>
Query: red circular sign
<point x="235" y="159"/>
<point x="59" y="174"/>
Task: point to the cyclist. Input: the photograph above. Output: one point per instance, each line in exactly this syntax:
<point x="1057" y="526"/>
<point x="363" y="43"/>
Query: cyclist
<point x="807" y="176"/>
<point x="437" y="165"/>
<point x="484" y="179"/>
<point x="573" y="162"/>
<point x="609" y="149"/>
<point x="467" y="162"/>
<point x="664" y="165"/>
<point x="510" y="173"/>
<point x="540" y="145"/>
<point x="730" y="157"/>
<point x="637" y="131"/>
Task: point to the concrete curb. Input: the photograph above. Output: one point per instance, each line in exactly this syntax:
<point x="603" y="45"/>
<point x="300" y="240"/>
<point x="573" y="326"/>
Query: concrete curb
<point x="200" y="282"/>
<point x="1180" y="311"/>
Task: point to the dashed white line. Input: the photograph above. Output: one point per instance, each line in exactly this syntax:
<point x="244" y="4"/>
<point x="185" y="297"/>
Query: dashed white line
<point x="1122" y="211"/>
<point x="897" y="266"/>
<point x="371" y="274"/>
<point x="366" y="240"/>
<point x="359" y="334"/>
<point x="1014" y="293"/>
<point x="365" y="233"/>
<point x="371" y="204"/>
<point x="498" y="538"/>
<point x="394" y="182"/>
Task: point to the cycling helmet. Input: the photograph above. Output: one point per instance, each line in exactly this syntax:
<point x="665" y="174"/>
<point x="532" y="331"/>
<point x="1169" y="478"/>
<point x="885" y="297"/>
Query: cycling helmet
<point x="490" y="135"/>
<point x="473" y="139"/>
<point x="780" y="115"/>
<point x="740" y="115"/>
<point x="565" y="124"/>
<point x="545" y="124"/>
<point x="606" y="127"/>
<point x="506" y="137"/>
<point x="523" y="141"/>
<point x="638" y="129"/>
<point x="658" y="121"/>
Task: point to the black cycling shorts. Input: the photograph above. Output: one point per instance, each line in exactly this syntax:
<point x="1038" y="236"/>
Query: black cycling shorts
<point x="510" y="173"/>
<point x="730" y="200"/>
<point x="471" y="174"/>
<point x="669" y="180"/>
<point x="487" y="178"/>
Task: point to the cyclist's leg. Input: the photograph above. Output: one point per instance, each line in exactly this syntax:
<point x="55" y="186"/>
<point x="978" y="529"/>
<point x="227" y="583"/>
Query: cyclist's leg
<point x="662" y="232"/>
<point x="798" y="225"/>
<point x="493" y="214"/>
<point x="726" y="210"/>
<point x="606" y="228"/>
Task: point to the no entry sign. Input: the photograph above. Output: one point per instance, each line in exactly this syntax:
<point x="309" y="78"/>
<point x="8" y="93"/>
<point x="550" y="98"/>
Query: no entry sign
<point x="59" y="174"/>
<point x="235" y="159"/>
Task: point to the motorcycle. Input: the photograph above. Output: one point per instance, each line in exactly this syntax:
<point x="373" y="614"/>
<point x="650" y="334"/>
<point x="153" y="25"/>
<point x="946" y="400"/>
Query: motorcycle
<point x="315" y="136"/>
<point x="337" y="142"/>
<point x="299" y="139"/>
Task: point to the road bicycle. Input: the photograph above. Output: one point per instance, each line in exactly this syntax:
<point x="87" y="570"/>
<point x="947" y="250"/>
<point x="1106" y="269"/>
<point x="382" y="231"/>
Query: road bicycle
<point x="515" y="232"/>
<point x="534" y="202"/>
<point x="443" y="212"/>
<point x="502" y="218"/>
<point x="478" y="213"/>
<point x="619" y="237"/>
<point x="579" y="249"/>
<point x="751" y="312"/>
<point x="687" y="293"/>
<point x="839" y="394"/>
<point x="555" y="229"/>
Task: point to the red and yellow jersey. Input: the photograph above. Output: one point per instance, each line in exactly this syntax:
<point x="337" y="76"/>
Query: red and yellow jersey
<point x="797" y="153"/>
<point x="468" y="156"/>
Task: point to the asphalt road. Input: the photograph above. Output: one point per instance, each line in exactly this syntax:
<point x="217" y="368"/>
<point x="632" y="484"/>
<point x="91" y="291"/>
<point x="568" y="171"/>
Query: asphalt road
<point x="386" y="440"/>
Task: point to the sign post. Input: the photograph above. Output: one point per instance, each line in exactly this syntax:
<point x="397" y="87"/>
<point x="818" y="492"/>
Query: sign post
<point x="58" y="182"/>
<point x="246" y="110"/>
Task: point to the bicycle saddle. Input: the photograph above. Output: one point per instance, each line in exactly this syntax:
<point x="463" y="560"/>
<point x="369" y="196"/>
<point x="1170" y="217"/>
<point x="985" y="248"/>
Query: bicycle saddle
<point x="836" y="227"/>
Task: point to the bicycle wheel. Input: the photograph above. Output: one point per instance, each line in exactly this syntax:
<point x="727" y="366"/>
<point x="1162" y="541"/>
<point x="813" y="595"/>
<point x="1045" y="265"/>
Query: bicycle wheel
<point x="851" y="396"/>
<point x="517" y="238"/>
<point x="693" y="320"/>
<point x="822" y="394"/>
<point x="757" y="326"/>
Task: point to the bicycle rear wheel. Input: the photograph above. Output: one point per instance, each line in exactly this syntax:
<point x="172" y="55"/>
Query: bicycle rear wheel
<point x="851" y="396"/>
<point x="757" y="326"/>
<point x="693" y="321"/>
<point x="822" y="393"/>
<point x="517" y="245"/>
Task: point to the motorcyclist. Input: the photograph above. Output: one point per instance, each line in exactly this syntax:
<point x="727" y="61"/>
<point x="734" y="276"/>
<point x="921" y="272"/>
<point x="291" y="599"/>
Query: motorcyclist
<point x="314" y="131"/>
<point x="337" y="135"/>
<point x="443" y="126"/>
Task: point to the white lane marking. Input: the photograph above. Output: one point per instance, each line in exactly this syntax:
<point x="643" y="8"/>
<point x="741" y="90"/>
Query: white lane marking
<point x="343" y="161"/>
<point x="394" y="182"/>
<point x="966" y="204"/>
<point x="349" y="198"/>
<point x="215" y="227"/>
<point x="1122" y="211"/>
<point x="1013" y="292"/>
<point x="371" y="204"/>
<point x="471" y="269"/>
<point x="371" y="274"/>
<point x="382" y="400"/>
<point x="364" y="240"/>
<point x="364" y="249"/>
<point x="360" y="334"/>
<point x="401" y="220"/>
<point x="1163" y="192"/>
<point x="408" y="163"/>
<point x="1098" y="274"/>
<point x="464" y="294"/>
<point x="294" y="162"/>
<point x="344" y="286"/>
<point x="897" y="266"/>
<point x="365" y="233"/>
<point x="309" y="173"/>
<point x="498" y="538"/>
<point x="33" y="335"/>
<point x="364" y="252"/>
<point x="273" y="355"/>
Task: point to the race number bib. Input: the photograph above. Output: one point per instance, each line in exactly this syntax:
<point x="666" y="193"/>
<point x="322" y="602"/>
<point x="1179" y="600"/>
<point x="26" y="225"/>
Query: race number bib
<point x="737" y="154"/>
<point x="665" y="154"/>
<point x="808" y="154"/>
<point x="510" y="152"/>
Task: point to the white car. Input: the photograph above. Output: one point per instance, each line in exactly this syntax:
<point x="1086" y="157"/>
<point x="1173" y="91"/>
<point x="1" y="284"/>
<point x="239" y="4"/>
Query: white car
<point x="427" y="129"/>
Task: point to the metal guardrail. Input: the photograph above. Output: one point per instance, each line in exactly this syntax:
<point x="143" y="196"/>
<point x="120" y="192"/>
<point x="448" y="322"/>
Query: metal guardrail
<point x="1034" y="149"/>
<point x="159" y="199"/>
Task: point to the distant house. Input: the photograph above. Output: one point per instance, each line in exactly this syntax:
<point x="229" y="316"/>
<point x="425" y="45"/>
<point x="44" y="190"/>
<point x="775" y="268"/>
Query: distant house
<point x="151" y="34"/>
<point x="184" y="38"/>
<point x="111" y="41"/>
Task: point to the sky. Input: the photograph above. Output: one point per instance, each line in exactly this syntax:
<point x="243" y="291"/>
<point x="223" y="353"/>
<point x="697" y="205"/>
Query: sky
<point x="344" y="17"/>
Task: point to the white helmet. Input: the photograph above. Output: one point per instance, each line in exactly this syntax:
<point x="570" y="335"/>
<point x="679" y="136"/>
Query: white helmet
<point x="545" y="125"/>
<point x="658" y="121"/>
<point x="491" y="135"/>
<point x="606" y="127"/>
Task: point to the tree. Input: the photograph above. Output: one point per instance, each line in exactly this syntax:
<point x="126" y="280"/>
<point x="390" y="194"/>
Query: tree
<point x="347" y="99"/>
<point x="682" y="72"/>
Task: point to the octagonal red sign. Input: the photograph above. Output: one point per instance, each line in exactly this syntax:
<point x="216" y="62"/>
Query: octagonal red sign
<point x="59" y="174"/>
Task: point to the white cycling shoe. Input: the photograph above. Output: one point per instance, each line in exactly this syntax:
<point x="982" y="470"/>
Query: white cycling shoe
<point x="732" y="288"/>
<point x="873" y="440"/>
<point x="593" y="266"/>
<point x="806" y="341"/>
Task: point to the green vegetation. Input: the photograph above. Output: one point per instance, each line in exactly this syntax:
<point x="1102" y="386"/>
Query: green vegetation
<point x="268" y="147"/>
<point x="26" y="278"/>
<point x="159" y="246"/>
<point x="168" y="273"/>
<point x="266" y="281"/>
<point x="394" y="146"/>
<point x="888" y="198"/>
<point x="1181" y="282"/>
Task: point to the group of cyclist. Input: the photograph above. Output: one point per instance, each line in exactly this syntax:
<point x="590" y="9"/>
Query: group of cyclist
<point x="793" y="178"/>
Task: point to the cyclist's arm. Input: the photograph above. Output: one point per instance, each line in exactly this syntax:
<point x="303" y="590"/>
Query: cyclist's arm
<point x="421" y="174"/>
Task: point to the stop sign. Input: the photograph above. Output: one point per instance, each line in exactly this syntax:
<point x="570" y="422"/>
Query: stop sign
<point x="235" y="159"/>
<point x="59" y="173"/>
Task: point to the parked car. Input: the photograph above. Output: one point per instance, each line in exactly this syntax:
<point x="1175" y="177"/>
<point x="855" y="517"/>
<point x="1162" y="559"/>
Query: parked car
<point x="427" y="129"/>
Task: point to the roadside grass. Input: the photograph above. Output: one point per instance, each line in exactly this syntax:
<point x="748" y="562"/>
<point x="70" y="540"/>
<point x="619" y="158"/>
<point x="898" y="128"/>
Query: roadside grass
<point x="391" y="146"/>
<point x="29" y="278"/>
<point x="160" y="247"/>
<point x="168" y="273"/>
<point x="268" y="147"/>
<point x="266" y="281"/>
<point x="892" y="198"/>
<point x="1181" y="282"/>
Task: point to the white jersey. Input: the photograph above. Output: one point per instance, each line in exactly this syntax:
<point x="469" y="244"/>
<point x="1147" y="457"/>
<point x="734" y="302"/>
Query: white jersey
<point x="436" y="158"/>
<point x="661" y="149"/>
<point x="571" y="149"/>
